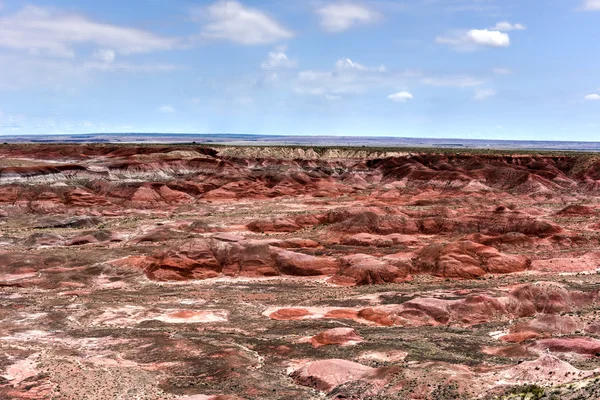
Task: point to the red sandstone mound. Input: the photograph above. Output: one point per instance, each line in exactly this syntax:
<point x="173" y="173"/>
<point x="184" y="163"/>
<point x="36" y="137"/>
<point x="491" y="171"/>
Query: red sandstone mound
<point x="466" y="260"/>
<point x="47" y="203"/>
<point x="151" y="195"/>
<point x="173" y="196"/>
<point x="517" y="337"/>
<point x="240" y="188"/>
<point x="369" y="240"/>
<point x="325" y="375"/>
<point x="344" y="213"/>
<point x="192" y="260"/>
<point x="511" y="240"/>
<point x="82" y="198"/>
<point x="577" y="210"/>
<point x="578" y="345"/>
<point x="501" y="221"/>
<point x="462" y="259"/>
<point x="159" y="235"/>
<point x="370" y="222"/>
<point x="292" y="263"/>
<point x="336" y="336"/>
<point x="251" y="258"/>
<point x="524" y="301"/>
<point x="274" y="225"/>
<point x="543" y="326"/>
<point x="388" y="220"/>
<point x="431" y="312"/>
<point x="297" y="243"/>
<point x="548" y="298"/>
<point x="93" y="237"/>
<point x="202" y="227"/>
<point x="203" y="259"/>
<point x="289" y="314"/>
<point x="362" y="269"/>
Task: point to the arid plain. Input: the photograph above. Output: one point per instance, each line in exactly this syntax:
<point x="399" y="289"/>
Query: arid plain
<point x="197" y="272"/>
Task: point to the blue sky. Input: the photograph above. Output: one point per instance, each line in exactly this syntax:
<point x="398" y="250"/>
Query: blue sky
<point x="501" y="69"/>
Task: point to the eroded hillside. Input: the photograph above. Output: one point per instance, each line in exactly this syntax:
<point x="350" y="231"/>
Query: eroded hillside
<point x="195" y="272"/>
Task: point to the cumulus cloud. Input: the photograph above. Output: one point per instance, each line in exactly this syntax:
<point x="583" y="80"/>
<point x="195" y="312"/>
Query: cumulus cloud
<point x="592" y="97"/>
<point x="234" y="22"/>
<point x="346" y="63"/>
<point x="400" y="97"/>
<point x="277" y="60"/>
<point x="342" y="16"/>
<point x="502" y="71"/>
<point x="475" y="38"/>
<point x="482" y="94"/>
<point x="166" y="109"/>
<point x="489" y="38"/>
<point x="590" y="5"/>
<point x="38" y="30"/>
<point x="505" y="26"/>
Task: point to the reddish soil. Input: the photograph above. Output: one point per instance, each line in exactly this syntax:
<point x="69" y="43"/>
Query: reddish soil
<point x="191" y="272"/>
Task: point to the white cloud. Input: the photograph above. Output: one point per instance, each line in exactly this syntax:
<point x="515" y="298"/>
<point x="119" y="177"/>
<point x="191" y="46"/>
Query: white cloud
<point x="489" y="38"/>
<point x="105" y="55"/>
<point x="590" y="5"/>
<point x="166" y="109"/>
<point x="400" y="97"/>
<point x="38" y="30"/>
<point x="457" y="81"/>
<point x="277" y="60"/>
<point x="502" y="71"/>
<point x="344" y="79"/>
<point x="332" y="97"/>
<point x="505" y="26"/>
<point x="346" y="63"/>
<point x="592" y="97"/>
<point x="230" y="20"/>
<point x="351" y="78"/>
<point x="126" y="67"/>
<point x="342" y="16"/>
<point x="311" y="91"/>
<point x="482" y="94"/>
<point x="474" y="38"/>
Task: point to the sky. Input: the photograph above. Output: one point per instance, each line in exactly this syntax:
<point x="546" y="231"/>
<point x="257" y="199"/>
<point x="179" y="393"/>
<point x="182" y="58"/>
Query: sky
<point x="481" y="69"/>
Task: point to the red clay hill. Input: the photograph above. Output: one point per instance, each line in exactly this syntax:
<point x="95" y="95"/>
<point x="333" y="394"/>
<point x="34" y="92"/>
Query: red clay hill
<point x="222" y="272"/>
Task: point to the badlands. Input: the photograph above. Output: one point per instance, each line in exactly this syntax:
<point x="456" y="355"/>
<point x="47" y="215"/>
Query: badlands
<point x="215" y="272"/>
